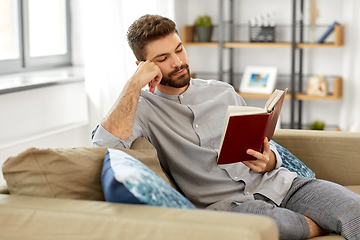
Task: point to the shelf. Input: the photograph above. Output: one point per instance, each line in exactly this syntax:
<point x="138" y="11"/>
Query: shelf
<point x="317" y="45"/>
<point x="339" y="40"/>
<point x="250" y="44"/>
<point x="201" y="44"/>
<point x="188" y="40"/>
<point x="336" y="95"/>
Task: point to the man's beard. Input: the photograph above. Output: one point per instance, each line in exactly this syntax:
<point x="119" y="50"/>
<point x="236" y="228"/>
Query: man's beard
<point x="178" y="81"/>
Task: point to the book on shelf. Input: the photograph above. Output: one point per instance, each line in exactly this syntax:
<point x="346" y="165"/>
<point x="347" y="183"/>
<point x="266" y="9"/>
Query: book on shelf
<point x="246" y="127"/>
<point x="327" y="33"/>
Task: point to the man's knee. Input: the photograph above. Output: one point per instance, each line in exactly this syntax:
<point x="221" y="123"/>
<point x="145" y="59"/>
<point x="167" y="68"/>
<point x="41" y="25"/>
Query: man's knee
<point x="291" y="225"/>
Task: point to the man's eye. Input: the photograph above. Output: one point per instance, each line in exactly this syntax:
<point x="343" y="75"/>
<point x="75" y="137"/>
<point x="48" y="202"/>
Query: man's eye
<point x="179" y="50"/>
<point x="162" y="60"/>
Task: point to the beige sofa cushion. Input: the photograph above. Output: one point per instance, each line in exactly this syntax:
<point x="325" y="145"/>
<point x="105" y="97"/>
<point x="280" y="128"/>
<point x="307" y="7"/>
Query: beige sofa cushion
<point x="355" y="189"/>
<point x="59" y="173"/>
<point x="70" y="173"/>
<point x="23" y="217"/>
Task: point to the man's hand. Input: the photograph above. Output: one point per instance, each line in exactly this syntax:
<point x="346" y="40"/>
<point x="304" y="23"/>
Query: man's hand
<point x="266" y="161"/>
<point x="148" y="73"/>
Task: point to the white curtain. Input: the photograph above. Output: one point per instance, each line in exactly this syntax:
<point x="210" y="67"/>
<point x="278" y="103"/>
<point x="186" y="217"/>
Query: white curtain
<point x="107" y="58"/>
<point x="350" y="111"/>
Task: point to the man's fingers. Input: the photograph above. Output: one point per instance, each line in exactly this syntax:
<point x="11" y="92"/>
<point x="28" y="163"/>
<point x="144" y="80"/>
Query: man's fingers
<point x="252" y="166"/>
<point x="152" y="85"/>
<point x="258" y="165"/>
<point x="265" y="161"/>
<point x="256" y="154"/>
<point x="266" y="145"/>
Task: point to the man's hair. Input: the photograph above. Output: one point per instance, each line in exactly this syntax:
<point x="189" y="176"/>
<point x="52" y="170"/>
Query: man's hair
<point x="147" y="29"/>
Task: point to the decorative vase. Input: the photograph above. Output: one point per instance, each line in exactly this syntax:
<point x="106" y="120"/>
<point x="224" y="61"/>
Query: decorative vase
<point x="203" y="34"/>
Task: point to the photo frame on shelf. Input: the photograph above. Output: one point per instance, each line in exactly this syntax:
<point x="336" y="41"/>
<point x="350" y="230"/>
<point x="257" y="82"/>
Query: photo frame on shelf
<point x="258" y="79"/>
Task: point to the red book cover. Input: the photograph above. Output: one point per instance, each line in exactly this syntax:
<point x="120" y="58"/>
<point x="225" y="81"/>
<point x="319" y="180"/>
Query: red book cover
<point x="248" y="132"/>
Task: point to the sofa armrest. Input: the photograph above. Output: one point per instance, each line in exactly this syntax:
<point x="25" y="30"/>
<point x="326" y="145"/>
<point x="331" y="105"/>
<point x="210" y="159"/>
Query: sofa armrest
<point x="23" y="217"/>
<point x="332" y="155"/>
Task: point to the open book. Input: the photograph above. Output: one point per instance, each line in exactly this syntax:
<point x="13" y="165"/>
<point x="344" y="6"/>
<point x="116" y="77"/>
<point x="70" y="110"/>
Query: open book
<point x="246" y="127"/>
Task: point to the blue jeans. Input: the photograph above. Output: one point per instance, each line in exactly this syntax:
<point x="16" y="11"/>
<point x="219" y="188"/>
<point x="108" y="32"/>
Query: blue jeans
<point x="331" y="206"/>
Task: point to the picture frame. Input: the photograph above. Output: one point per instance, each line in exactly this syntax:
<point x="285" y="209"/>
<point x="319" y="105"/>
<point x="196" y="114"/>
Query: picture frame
<point x="258" y="79"/>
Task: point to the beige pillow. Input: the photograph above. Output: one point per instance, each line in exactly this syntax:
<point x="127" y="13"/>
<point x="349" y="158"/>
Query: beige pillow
<point x="71" y="173"/>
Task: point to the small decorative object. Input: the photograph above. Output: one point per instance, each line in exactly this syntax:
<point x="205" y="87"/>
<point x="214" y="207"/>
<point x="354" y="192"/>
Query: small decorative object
<point x="337" y="129"/>
<point x="258" y="79"/>
<point x="313" y="15"/>
<point x="203" y="28"/>
<point x="317" y="125"/>
<point x="327" y="33"/>
<point x="262" y="28"/>
<point x="317" y="86"/>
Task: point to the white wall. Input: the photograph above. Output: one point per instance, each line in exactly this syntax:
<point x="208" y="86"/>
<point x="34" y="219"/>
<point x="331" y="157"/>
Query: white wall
<point x="33" y="112"/>
<point x="325" y="61"/>
<point x="48" y="117"/>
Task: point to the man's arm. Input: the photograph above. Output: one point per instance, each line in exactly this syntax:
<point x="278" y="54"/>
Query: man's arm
<point x="266" y="161"/>
<point x="119" y="121"/>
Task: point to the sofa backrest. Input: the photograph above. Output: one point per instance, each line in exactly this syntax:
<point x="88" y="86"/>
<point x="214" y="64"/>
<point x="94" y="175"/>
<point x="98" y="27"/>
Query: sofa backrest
<point x="332" y="155"/>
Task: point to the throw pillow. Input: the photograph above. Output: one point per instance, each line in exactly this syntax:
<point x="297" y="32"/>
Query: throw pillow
<point x="292" y="163"/>
<point x="71" y="173"/>
<point x="124" y="179"/>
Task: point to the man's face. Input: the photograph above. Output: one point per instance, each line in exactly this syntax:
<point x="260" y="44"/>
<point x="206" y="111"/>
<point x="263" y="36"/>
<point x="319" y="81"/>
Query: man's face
<point x="169" y="55"/>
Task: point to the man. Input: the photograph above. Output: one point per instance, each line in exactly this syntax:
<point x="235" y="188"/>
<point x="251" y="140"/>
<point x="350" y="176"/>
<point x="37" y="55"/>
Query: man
<point x="183" y="118"/>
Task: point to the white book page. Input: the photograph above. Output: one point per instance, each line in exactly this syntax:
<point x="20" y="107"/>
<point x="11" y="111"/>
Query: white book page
<point x="243" y="110"/>
<point x="273" y="99"/>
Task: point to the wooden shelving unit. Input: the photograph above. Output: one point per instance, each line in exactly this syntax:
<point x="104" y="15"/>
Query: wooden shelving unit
<point x="188" y="40"/>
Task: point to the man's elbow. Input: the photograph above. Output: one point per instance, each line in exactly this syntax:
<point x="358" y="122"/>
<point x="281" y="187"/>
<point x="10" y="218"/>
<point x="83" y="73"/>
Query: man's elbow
<point x="102" y="138"/>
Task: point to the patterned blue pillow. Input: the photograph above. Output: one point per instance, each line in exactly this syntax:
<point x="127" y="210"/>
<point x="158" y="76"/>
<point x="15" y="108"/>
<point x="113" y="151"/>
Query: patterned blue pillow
<point x="124" y="179"/>
<point x="293" y="163"/>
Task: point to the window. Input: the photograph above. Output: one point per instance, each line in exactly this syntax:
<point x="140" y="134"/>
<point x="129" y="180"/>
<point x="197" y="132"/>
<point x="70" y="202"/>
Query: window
<point x="34" y="35"/>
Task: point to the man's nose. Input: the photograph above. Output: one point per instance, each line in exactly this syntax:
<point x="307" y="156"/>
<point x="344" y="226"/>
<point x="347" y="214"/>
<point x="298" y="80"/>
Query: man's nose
<point x="176" y="62"/>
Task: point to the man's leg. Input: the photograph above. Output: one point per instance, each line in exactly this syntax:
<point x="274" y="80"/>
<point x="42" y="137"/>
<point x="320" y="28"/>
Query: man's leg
<point x="291" y="225"/>
<point x="331" y="206"/>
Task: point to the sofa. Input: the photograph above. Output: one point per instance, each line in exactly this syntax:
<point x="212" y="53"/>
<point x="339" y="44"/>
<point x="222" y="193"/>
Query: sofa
<point x="39" y="205"/>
